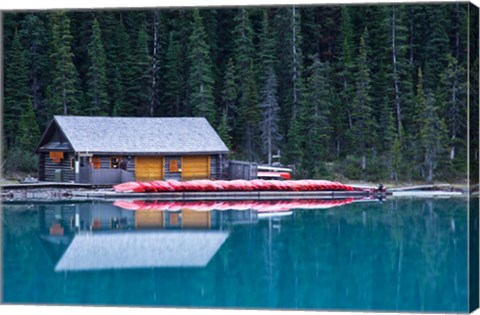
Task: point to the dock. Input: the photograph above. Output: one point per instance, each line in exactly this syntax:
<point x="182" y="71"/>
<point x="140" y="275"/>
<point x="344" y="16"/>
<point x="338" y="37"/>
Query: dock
<point x="230" y="195"/>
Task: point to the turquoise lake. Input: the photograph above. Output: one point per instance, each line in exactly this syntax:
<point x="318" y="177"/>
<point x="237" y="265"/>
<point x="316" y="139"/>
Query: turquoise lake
<point x="403" y="254"/>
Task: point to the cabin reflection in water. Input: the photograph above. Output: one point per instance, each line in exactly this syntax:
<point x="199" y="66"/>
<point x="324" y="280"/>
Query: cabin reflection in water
<point x="94" y="236"/>
<point x="66" y="219"/>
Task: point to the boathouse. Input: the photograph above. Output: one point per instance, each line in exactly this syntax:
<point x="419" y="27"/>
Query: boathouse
<point x="111" y="150"/>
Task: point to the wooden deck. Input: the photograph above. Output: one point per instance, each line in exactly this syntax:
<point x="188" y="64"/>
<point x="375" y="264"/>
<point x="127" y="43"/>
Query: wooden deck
<point x="45" y="185"/>
<point x="243" y="195"/>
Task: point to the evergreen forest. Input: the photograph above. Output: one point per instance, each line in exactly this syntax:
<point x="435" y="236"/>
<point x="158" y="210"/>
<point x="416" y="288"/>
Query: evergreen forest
<point x="369" y="92"/>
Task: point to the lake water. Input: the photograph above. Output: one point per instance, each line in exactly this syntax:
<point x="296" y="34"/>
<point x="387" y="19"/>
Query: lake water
<point x="405" y="254"/>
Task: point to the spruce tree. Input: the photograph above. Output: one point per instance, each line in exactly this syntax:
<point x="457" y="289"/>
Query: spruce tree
<point x="173" y="89"/>
<point x="229" y="98"/>
<point x="34" y="34"/>
<point x="97" y="83"/>
<point x="436" y="45"/>
<point x="112" y="32"/>
<point x="250" y="116"/>
<point x="315" y="117"/>
<point x="123" y="105"/>
<point x="138" y="92"/>
<point x="432" y="138"/>
<point x="266" y="52"/>
<point x="63" y="94"/>
<point x="453" y="93"/>
<point x="346" y="65"/>
<point x="200" y="82"/>
<point x="16" y="94"/>
<point x="413" y="139"/>
<point x="270" y="132"/>
<point x="224" y="130"/>
<point x="363" y="129"/>
<point x="396" y="160"/>
<point x="28" y="133"/>
<point x="243" y="54"/>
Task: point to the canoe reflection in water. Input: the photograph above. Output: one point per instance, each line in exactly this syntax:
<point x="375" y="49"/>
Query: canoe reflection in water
<point x="152" y="234"/>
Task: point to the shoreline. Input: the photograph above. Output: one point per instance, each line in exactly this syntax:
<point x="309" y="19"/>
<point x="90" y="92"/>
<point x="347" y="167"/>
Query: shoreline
<point x="84" y="192"/>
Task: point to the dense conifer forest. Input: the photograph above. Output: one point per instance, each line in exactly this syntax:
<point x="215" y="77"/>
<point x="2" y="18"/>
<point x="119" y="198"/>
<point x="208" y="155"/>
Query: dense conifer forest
<point x="371" y="92"/>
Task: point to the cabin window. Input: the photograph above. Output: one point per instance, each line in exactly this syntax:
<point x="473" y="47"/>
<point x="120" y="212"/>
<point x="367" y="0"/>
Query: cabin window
<point x="56" y="156"/>
<point x="96" y="162"/>
<point x="114" y="162"/>
<point x="173" y="166"/>
<point x="72" y="163"/>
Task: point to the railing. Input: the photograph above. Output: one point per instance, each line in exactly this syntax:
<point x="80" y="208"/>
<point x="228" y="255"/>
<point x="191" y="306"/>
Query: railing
<point x="242" y="170"/>
<point x="105" y="176"/>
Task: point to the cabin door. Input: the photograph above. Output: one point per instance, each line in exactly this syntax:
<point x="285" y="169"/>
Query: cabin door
<point x="149" y="168"/>
<point x="195" y="167"/>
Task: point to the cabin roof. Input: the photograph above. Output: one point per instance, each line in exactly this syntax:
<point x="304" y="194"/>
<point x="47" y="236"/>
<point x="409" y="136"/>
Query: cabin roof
<point x="143" y="135"/>
<point x="141" y="250"/>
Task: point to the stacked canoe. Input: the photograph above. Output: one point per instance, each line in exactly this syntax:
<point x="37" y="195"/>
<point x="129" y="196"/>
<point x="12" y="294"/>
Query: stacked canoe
<point x="206" y="185"/>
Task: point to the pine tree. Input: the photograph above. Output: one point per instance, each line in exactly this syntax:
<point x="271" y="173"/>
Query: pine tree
<point x="173" y="90"/>
<point x="63" y="94"/>
<point x="266" y="52"/>
<point x="297" y="58"/>
<point x="243" y="53"/>
<point x="296" y="144"/>
<point x="436" y="45"/>
<point x="97" y="87"/>
<point x="28" y="133"/>
<point x="432" y="138"/>
<point x="364" y="126"/>
<point x="387" y="130"/>
<point x="154" y="65"/>
<point x="413" y="141"/>
<point x="16" y="95"/>
<point x="229" y="97"/>
<point x="224" y="130"/>
<point x="315" y="117"/>
<point x="396" y="160"/>
<point x="34" y="34"/>
<point x="123" y="105"/>
<point x="250" y="116"/>
<point x="269" y="124"/>
<point x="401" y="70"/>
<point x="200" y="81"/>
<point x="294" y="86"/>
<point x="346" y="65"/>
<point x="453" y="93"/>
<point x="138" y="93"/>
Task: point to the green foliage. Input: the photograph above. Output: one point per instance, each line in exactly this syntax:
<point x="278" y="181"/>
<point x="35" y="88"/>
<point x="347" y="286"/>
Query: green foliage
<point x="33" y="34"/>
<point x="16" y="94"/>
<point x="173" y="93"/>
<point x="315" y="119"/>
<point x="137" y="86"/>
<point x="369" y="102"/>
<point x="20" y="160"/>
<point x="28" y="133"/>
<point x="363" y="135"/>
<point x="97" y="90"/>
<point x="62" y="93"/>
<point x="200" y="82"/>
<point x="250" y="114"/>
<point x="224" y="130"/>
<point x="432" y="138"/>
<point x="269" y="124"/>
<point x="396" y="162"/>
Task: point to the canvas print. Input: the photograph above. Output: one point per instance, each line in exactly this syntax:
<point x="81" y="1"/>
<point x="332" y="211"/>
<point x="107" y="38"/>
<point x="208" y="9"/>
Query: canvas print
<point x="290" y="157"/>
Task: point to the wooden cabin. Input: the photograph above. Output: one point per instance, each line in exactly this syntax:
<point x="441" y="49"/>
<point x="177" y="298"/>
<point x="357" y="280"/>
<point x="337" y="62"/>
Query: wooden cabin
<point x="111" y="150"/>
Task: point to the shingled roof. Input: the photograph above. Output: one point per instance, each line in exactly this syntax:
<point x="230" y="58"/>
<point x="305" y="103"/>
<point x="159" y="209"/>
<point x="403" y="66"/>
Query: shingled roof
<point x="144" y="135"/>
